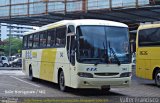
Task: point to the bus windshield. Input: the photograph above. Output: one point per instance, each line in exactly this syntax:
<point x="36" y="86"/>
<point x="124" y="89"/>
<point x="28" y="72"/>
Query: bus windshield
<point x="103" y="44"/>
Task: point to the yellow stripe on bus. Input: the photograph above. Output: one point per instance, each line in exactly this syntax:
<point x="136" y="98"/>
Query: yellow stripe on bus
<point x="54" y="26"/>
<point x="48" y="63"/>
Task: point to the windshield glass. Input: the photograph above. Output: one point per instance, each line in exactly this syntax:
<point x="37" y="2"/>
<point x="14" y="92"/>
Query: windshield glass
<point x="102" y="44"/>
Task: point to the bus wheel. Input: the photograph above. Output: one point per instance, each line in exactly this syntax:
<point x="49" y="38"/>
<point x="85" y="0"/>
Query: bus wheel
<point x="157" y="78"/>
<point x="62" y="82"/>
<point x="31" y="73"/>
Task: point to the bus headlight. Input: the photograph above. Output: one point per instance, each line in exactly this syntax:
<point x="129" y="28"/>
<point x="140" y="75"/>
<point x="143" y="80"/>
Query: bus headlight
<point x="87" y="75"/>
<point x="126" y="74"/>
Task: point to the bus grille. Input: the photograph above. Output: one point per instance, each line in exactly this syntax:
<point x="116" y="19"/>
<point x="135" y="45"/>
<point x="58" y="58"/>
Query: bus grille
<point x="106" y="74"/>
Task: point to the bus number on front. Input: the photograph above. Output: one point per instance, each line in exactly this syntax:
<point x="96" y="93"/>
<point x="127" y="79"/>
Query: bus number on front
<point x="91" y="69"/>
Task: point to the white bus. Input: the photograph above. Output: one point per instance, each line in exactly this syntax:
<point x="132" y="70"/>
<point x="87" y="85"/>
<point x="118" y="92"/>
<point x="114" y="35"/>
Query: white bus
<point x="79" y="54"/>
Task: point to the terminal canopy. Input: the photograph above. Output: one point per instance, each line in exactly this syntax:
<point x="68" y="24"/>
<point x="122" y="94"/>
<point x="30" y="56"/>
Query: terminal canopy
<point x="41" y="12"/>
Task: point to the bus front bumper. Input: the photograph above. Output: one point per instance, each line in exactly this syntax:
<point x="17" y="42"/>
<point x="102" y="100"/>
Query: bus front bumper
<point x="103" y="82"/>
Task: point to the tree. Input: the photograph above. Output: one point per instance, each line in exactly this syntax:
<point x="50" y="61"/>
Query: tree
<point x="16" y="46"/>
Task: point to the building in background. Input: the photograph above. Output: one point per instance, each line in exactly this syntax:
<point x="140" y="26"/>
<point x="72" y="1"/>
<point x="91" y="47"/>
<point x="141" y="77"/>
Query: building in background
<point x="14" y="30"/>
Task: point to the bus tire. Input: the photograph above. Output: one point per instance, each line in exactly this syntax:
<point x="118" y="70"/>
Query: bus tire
<point x="61" y="82"/>
<point x="31" y="74"/>
<point x="157" y="77"/>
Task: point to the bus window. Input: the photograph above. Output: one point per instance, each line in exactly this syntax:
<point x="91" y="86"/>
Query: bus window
<point x="51" y="38"/>
<point x="71" y="29"/>
<point x="30" y="41"/>
<point x="25" y="42"/>
<point x="36" y="41"/>
<point x="61" y="36"/>
<point x="100" y="48"/>
<point x="71" y="48"/>
<point x="43" y="39"/>
<point x="149" y="37"/>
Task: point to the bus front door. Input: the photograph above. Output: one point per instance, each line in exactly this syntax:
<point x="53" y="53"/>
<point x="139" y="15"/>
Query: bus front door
<point x="71" y="56"/>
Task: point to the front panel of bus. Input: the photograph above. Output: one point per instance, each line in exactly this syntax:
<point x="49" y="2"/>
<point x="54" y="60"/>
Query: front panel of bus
<point x="101" y="57"/>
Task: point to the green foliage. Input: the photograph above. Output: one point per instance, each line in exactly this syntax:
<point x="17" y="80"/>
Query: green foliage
<point x="16" y="46"/>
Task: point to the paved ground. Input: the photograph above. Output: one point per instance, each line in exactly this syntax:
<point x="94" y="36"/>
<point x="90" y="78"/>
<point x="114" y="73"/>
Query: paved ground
<point x="14" y="83"/>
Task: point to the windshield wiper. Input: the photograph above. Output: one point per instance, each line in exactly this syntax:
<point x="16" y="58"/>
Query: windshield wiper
<point x="114" y="54"/>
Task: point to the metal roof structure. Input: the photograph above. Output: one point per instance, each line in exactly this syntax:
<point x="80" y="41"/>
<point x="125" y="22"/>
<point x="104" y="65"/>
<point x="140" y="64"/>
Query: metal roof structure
<point x="42" y="12"/>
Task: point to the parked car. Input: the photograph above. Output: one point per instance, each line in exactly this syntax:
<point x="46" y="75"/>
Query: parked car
<point x="11" y="58"/>
<point x="16" y="63"/>
<point x="4" y="61"/>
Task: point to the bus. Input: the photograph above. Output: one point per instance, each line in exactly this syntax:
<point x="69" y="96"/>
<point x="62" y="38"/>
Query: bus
<point x="147" y="52"/>
<point x="85" y="53"/>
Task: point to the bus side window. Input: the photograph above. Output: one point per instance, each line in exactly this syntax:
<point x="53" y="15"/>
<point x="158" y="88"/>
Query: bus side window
<point x="36" y="41"/>
<point x="43" y="39"/>
<point x="61" y="36"/>
<point x="30" y="41"/>
<point x="51" y="38"/>
<point x="24" y="42"/>
<point x="149" y="37"/>
<point x="71" y="29"/>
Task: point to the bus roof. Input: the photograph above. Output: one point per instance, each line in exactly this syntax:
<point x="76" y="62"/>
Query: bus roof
<point x="79" y="22"/>
<point x="147" y="26"/>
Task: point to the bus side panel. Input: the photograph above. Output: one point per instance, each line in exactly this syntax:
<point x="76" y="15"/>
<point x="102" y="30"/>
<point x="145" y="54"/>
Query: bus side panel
<point x="148" y="69"/>
<point x="140" y="65"/>
<point x="26" y="61"/>
<point x="62" y="62"/>
<point x="155" y="59"/>
<point x="143" y="62"/>
<point x="36" y="57"/>
<point x="154" y="64"/>
<point x="31" y="57"/>
<point x="35" y="68"/>
<point x="47" y="64"/>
